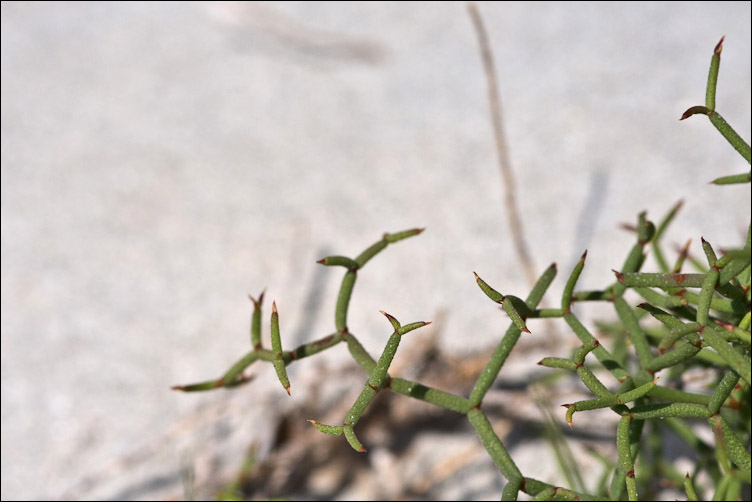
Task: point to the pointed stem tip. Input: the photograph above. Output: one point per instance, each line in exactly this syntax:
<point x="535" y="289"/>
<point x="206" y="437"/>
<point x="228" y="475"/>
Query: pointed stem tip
<point x="719" y="45"/>
<point x="274" y="307"/>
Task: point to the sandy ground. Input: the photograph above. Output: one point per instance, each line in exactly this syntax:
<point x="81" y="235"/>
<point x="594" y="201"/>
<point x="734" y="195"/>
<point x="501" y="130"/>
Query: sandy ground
<point x="160" y="161"/>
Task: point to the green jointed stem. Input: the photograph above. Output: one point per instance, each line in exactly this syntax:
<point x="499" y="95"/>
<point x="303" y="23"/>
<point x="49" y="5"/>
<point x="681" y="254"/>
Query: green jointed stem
<point x="342" y="261"/>
<point x="608" y="401"/>
<point x="360" y="405"/>
<point x="279" y="362"/>
<point x="680" y="354"/>
<point x="600" y="352"/>
<point x="670" y="301"/>
<point x="532" y="486"/>
<point x="679" y="396"/>
<point x="398" y="236"/>
<point x="558" y="362"/>
<point x="360" y="354"/>
<point x="378" y="375"/>
<point x="488" y="290"/>
<point x="689" y="488"/>
<point x="387" y="239"/>
<point x="579" y="355"/>
<point x="536" y="294"/>
<point x="546" y="313"/>
<point x="237" y="369"/>
<point x="493" y="445"/>
<point x="631" y="264"/>
<point x="738" y="362"/>
<point x="413" y="325"/>
<point x="591" y="382"/>
<point x="546" y="494"/>
<point x="566" y="297"/>
<point x="719" y="304"/>
<point x="664" y="410"/>
<point x="332" y="430"/>
<point x="511" y="489"/>
<point x="657" y="252"/>
<point x="645" y="229"/>
<point x="491" y="371"/>
<point x="731" y="135"/>
<point x="343" y="300"/>
<point x="430" y="395"/>
<point x="593" y="296"/>
<point x="706" y="295"/>
<point x="626" y="464"/>
<point x="353" y="439"/>
<point x="514" y="315"/>
<point x="709" y="252"/>
<point x="746" y="321"/>
<point x="636" y="335"/>
<point x="256" y="321"/>
<point x="723" y="391"/>
<point x="733" y="179"/>
<point x="311" y="348"/>
<point x="734" y="447"/>
<point x="715" y="63"/>
<point x="733" y="267"/>
<point x="663" y="281"/>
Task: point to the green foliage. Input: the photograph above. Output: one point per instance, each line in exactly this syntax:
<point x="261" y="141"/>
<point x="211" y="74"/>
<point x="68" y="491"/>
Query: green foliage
<point x="703" y="321"/>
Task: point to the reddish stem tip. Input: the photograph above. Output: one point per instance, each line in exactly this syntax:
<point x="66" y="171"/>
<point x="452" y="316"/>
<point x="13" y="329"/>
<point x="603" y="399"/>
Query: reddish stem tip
<point x="719" y="46"/>
<point x="619" y="275"/>
<point x="321" y="261"/>
<point x="274" y="307"/>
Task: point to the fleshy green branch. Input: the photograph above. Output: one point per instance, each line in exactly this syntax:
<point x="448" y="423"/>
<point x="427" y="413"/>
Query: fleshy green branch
<point x="279" y="363"/>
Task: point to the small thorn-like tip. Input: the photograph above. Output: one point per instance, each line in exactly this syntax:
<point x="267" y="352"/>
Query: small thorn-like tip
<point x="288" y="390"/>
<point x="426" y="323"/>
<point x="571" y="425"/>
<point x="540" y="363"/>
<point x="597" y="343"/>
<point x="362" y="449"/>
<point x="655" y="380"/>
<point x="477" y="277"/>
<point x="619" y="275"/>
<point x="584" y="255"/>
<point x="703" y="240"/>
<point x="311" y="421"/>
<point x="388" y="316"/>
<point x="686" y="476"/>
<point x="177" y="387"/>
<point x="526" y="330"/>
<point x="321" y="261"/>
<point x="420" y="230"/>
<point x="719" y="46"/>
<point x="274" y="307"/>
<point x="567" y="405"/>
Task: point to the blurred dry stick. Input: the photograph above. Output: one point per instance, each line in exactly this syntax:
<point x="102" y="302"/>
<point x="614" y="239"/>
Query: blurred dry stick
<point x="502" y="150"/>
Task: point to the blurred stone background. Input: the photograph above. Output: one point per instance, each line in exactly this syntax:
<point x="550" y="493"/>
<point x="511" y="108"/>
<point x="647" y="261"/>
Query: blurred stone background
<point x="162" y="160"/>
